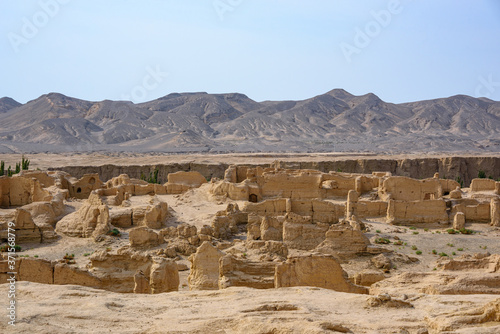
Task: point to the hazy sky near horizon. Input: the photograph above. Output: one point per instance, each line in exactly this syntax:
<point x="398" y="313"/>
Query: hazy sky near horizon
<point x="267" y="49"/>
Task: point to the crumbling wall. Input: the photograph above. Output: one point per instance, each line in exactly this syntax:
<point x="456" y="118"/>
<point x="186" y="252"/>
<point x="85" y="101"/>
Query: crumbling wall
<point x="241" y="272"/>
<point x="204" y="273"/>
<point x="301" y="233"/>
<point x="46" y="179"/>
<point x="240" y="182"/>
<point x="81" y="188"/>
<point x="322" y="271"/>
<point x="448" y="186"/>
<point x="276" y="207"/>
<point x="366" y="183"/>
<point x="401" y="188"/>
<point x="474" y="210"/>
<point x="180" y="182"/>
<point x="428" y="211"/>
<point x="225" y="222"/>
<point x="113" y="272"/>
<point x="342" y="239"/>
<point x="495" y="212"/>
<point x="92" y="219"/>
<point x="337" y="184"/>
<point x="19" y="190"/>
<point x="320" y="211"/>
<point x="366" y="209"/>
<point x="482" y="185"/>
<point x="235" y="191"/>
<point x="265" y="227"/>
<point x="292" y="184"/>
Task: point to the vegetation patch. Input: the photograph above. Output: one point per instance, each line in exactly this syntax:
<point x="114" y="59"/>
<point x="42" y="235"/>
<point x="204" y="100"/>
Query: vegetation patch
<point x="69" y="258"/>
<point x="114" y="232"/>
<point x="382" y="241"/>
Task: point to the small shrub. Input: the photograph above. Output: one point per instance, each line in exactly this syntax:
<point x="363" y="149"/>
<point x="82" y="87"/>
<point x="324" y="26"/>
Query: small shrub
<point x="460" y="249"/>
<point x="460" y="181"/>
<point x="413" y="228"/>
<point x="419" y="252"/>
<point x="398" y="242"/>
<point x="414" y="247"/>
<point x="25" y="163"/>
<point x="5" y="248"/>
<point x="378" y="231"/>
<point x="466" y="231"/>
<point x="434" y="268"/>
<point x="451" y="231"/>
<point x="152" y="178"/>
<point x="108" y="249"/>
<point x="426" y="229"/>
<point x="481" y="174"/>
<point x="114" y="232"/>
<point x="443" y="254"/>
<point x="438" y="232"/>
<point x="406" y="244"/>
<point x="69" y="258"/>
<point x="415" y="232"/>
<point x="453" y="253"/>
<point x="450" y="244"/>
<point x="382" y="241"/>
<point x="36" y="256"/>
<point x="86" y="254"/>
<point x="434" y="252"/>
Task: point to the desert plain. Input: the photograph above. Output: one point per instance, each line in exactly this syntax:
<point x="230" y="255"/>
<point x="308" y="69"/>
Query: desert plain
<point x="252" y="243"/>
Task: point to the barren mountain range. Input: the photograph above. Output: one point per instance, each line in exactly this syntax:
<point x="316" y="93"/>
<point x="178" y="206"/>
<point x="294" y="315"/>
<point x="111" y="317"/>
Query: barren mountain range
<point x="201" y="122"/>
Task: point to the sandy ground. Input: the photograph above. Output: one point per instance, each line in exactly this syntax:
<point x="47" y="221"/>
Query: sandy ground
<point x="75" y="309"/>
<point x="45" y="160"/>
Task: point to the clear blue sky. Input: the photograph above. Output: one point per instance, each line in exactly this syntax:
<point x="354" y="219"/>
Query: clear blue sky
<point x="266" y="49"/>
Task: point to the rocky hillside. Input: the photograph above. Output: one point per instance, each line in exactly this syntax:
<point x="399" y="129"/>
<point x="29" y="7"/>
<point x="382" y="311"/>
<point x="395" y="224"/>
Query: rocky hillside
<point x="201" y="122"/>
<point x="6" y="103"/>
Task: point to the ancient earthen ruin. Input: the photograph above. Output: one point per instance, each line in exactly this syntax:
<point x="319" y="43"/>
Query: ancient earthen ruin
<point x="262" y="228"/>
